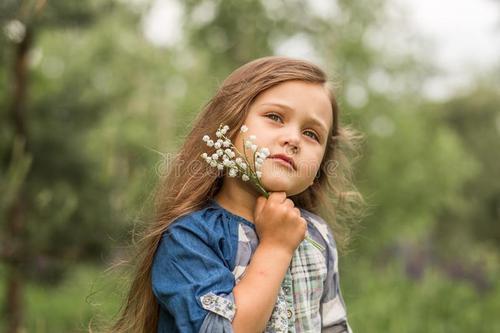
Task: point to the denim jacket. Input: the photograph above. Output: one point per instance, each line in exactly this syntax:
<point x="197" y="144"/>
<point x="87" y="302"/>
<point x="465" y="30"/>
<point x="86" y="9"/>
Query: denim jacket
<point x="204" y="254"/>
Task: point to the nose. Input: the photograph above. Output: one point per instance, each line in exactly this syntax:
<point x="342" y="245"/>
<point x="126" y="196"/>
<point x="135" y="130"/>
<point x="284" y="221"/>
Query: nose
<point x="291" y="141"/>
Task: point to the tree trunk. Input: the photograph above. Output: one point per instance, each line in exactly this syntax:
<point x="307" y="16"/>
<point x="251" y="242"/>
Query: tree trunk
<point x="14" y="278"/>
<point x="16" y="223"/>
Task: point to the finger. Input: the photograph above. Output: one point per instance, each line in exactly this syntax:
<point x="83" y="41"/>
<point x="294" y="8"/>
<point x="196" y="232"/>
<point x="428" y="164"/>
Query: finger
<point x="304" y="221"/>
<point x="289" y="203"/>
<point x="278" y="197"/>
<point x="305" y="224"/>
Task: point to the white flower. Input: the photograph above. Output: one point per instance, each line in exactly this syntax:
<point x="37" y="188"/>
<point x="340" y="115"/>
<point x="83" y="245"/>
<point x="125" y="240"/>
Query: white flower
<point x="225" y="156"/>
<point x="265" y="152"/>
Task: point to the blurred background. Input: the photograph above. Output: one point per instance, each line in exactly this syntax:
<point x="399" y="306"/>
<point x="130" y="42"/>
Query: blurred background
<point x="94" y="93"/>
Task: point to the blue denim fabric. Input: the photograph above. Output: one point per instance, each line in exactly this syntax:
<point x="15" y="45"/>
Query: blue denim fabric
<point x="196" y="255"/>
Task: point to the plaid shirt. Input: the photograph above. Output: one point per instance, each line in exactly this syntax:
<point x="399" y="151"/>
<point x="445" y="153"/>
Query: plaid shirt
<point x="309" y="299"/>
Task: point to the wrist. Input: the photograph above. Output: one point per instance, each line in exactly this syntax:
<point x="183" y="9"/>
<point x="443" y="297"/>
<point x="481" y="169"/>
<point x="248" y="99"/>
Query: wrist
<point x="277" y="249"/>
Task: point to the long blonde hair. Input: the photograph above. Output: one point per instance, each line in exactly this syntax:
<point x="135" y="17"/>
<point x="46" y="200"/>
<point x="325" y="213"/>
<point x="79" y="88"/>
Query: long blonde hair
<point x="189" y="182"/>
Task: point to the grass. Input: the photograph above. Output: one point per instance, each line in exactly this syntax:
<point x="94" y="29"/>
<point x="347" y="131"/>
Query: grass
<point x="87" y="295"/>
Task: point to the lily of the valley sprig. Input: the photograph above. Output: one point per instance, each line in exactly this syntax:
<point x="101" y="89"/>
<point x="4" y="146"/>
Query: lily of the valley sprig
<point x="224" y="157"/>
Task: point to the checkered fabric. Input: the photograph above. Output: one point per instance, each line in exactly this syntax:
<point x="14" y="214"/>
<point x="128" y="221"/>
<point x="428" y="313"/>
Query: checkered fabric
<point x="309" y="299"/>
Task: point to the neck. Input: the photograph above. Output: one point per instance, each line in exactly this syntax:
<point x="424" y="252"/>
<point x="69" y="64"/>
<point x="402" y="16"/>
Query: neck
<point x="237" y="197"/>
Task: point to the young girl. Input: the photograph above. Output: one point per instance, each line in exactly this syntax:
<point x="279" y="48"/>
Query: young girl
<point x="220" y="257"/>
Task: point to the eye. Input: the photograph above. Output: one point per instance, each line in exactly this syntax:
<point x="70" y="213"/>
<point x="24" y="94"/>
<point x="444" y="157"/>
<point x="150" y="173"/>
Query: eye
<point x="314" y="135"/>
<point x="273" y="116"/>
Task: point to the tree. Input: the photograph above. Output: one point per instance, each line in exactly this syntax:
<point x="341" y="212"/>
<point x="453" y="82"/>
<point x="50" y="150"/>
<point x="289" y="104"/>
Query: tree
<point x="52" y="208"/>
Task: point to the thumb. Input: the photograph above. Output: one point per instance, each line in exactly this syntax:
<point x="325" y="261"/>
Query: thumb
<point x="259" y="206"/>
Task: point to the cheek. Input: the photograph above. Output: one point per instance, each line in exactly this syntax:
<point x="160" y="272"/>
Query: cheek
<point x="240" y="145"/>
<point x="239" y="140"/>
<point x="310" y="165"/>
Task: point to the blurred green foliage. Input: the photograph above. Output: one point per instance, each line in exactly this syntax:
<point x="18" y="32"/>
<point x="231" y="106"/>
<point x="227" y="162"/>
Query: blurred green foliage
<point x="105" y="107"/>
<point x="380" y="299"/>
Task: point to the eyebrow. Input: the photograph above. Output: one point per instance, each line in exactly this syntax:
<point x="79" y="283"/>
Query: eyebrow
<point x="313" y="119"/>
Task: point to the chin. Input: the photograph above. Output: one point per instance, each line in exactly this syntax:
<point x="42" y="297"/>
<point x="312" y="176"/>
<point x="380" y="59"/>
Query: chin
<point x="279" y="185"/>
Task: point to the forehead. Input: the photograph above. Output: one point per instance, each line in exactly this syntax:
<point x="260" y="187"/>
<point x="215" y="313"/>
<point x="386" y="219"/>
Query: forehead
<point x="307" y="100"/>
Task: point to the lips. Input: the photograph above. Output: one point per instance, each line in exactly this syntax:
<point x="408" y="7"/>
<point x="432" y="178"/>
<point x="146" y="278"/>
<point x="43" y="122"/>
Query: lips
<point x="284" y="158"/>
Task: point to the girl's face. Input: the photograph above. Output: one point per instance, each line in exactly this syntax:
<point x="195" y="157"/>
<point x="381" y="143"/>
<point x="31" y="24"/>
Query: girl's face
<point x="292" y="119"/>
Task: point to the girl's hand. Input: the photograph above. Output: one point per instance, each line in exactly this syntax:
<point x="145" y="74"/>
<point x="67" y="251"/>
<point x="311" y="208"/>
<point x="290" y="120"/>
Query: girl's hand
<point x="278" y="222"/>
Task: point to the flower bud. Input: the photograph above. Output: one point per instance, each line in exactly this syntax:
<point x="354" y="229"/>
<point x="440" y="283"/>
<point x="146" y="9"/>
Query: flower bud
<point x="265" y="152"/>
